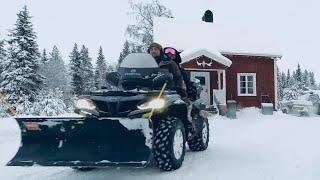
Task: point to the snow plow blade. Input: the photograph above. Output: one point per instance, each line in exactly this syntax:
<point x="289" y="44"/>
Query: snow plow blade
<point x="83" y="142"/>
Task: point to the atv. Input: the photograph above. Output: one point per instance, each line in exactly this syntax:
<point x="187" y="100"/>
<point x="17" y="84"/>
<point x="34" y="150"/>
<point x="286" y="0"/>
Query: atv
<point x="142" y="122"/>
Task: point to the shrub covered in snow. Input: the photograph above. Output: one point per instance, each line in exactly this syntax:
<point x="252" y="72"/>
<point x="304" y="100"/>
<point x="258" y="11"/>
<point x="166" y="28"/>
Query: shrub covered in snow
<point x="301" y="103"/>
<point x="291" y="93"/>
<point x="24" y="106"/>
<point x="49" y="103"/>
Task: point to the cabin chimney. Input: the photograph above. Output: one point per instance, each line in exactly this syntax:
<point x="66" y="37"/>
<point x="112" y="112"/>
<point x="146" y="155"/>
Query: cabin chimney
<point x="208" y="16"/>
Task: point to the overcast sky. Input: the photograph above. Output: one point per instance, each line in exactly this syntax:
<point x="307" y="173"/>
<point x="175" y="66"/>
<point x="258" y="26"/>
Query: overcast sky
<point x="293" y="23"/>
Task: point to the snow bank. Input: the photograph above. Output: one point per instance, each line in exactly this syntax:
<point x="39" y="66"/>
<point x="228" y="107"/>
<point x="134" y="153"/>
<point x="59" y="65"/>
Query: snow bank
<point x="8" y="128"/>
<point x="9" y="140"/>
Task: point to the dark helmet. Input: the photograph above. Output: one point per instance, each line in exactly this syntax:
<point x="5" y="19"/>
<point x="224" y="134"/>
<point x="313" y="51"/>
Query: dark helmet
<point x="176" y="52"/>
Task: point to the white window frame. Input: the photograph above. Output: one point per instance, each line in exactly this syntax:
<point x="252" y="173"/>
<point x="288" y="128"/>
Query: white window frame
<point x="254" y="84"/>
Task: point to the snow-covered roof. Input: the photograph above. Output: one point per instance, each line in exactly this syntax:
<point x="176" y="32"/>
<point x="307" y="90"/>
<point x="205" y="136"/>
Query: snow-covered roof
<point x="213" y="54"/>
<point x="224" y="38"/>
<point x="273" y="55"/>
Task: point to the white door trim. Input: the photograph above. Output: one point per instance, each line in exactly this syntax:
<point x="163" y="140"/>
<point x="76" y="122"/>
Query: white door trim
<point x="220" y="93"/>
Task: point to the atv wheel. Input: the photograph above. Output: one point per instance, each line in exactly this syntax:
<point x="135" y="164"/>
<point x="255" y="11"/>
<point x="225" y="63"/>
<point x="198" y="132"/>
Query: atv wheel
<point x="200" y="141"/>
<point x="83" y="169"/>
<point x="169" y="144"/>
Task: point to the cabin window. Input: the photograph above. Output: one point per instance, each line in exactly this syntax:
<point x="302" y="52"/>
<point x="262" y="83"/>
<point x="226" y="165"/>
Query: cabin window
<point x="247" y="84"/>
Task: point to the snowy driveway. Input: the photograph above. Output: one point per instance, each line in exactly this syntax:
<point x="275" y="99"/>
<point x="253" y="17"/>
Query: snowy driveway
<point x="253" y="147"/>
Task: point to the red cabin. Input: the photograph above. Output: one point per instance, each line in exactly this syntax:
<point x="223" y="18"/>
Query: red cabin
<point x="221" y="59"/>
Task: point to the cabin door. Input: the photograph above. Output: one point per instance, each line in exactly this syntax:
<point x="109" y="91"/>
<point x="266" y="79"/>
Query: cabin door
<point x="204" y="78"/>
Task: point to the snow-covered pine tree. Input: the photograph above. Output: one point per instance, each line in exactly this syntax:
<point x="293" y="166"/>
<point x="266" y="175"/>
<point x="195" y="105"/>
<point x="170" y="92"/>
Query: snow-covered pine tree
<point x="288" y="79"/>
<point x="110" y="67"/>
<point x="283" y="85"/>
<point x="44" y="56"/>
<point x="284" y="80"/>
<point x="77" y="83"/>
<point x="312" y="80"/>
<point x="56" y="72"/>
<point x="3" y="109"/>
<point x="21" y="69"/>
<point x="294" y="79"/>
<point x="125" y="51"/>
<point x="305" y="79"/>
<point x="144" y="12"/>
<point x="43" y="67"/>
<point x="2" y="56"/>
<point x="298" y="76"/>
<point x="279" y="84"/>
<point x="86" y="70"/>
<point x="100" y="70"/>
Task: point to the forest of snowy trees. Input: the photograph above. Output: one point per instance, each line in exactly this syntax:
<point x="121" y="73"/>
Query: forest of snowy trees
<point x="41" y="83"/>
<point x="292" y="84"/>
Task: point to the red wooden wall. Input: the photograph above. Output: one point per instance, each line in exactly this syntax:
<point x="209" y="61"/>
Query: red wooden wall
<point x="262" y="66"/>
<point x="264" y="69"/>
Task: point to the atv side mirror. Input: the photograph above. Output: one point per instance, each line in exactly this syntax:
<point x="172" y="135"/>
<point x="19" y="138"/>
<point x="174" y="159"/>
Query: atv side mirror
<point x="113" y="78"/>
<point x="160" y="79"/>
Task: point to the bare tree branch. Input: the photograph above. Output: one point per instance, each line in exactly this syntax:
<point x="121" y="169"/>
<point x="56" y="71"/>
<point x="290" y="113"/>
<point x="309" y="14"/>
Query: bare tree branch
<point x="141" y="33"/>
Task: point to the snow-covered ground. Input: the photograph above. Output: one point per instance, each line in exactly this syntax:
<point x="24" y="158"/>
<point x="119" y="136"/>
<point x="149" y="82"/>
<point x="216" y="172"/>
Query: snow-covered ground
<point x="253" y="146"/>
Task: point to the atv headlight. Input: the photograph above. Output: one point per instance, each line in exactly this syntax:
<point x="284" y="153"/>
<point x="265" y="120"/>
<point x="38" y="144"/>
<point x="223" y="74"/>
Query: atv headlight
<point x="84" y="104"/>
<point x="153" y="104"/>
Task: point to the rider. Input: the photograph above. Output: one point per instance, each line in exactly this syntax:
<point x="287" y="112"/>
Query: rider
<point x="174" y="55"/>
<point x="155" y="50"/>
